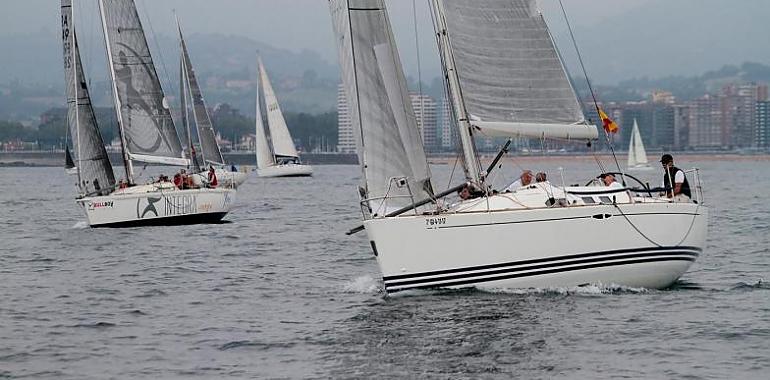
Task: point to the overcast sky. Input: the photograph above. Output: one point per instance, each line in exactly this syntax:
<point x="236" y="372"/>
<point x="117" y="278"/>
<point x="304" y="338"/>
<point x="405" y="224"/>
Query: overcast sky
<point x="621" y="38"/>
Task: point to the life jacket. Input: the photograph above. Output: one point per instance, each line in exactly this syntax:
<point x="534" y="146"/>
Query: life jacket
<point x="213" y="179"/>
<point x="670" y="175"/>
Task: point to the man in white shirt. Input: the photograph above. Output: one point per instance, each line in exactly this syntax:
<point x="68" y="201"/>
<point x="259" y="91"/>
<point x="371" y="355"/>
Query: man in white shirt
<point x="524" y="180"/>
<point x="609" y="181"/>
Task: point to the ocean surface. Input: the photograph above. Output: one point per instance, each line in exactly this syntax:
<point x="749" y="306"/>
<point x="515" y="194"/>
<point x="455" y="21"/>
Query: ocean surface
<point x="281" y="292"/>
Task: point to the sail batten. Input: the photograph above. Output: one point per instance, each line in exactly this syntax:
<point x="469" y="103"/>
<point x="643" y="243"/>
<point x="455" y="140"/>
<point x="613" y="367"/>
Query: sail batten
<point x="95" y="173"/>
<point x="384" y="122"/>
<point x="144" y="116"/>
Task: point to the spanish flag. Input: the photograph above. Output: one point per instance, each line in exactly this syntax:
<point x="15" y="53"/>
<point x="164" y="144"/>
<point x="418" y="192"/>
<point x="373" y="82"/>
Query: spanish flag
<point x="609" y="125"/>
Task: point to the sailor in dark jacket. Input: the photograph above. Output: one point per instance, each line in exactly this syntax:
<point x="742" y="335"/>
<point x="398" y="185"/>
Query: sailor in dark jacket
<point x="674" y="180"/>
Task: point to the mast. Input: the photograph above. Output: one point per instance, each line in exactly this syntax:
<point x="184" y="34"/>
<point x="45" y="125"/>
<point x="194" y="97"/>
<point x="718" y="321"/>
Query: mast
<point x="127" y="164"/>
<point x="470" y="158"/>
<point x="184" y="85"/>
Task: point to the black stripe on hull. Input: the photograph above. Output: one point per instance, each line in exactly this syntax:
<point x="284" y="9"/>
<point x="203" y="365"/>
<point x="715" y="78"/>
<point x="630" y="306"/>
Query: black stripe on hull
<point x="179" y="220"/>
<point x="519" y="271"/>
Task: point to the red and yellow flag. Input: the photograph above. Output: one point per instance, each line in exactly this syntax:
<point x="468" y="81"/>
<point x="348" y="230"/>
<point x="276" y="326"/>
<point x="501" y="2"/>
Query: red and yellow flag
<point x="609" y="125"/>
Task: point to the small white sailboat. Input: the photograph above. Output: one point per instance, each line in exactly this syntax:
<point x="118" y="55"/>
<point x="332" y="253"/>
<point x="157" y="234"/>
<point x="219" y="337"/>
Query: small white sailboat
<point x="637" y="156"/>
<point x="278" y="157"/>
<point x="504" y="78"/>
<point x="209" y="154"/>
<point x="146" y="130"/>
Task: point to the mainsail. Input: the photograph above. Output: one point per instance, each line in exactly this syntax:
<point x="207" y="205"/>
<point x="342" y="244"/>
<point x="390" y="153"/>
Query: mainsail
<point x="95" y="173"/>
<point x="148" y="130"/>
<point x="511" y="78"/>
<point x="265" y="157"/>
<point x="636" y="153"/>
<point x="387" y="137"/>
<point x="283" y="145"/>
<point x="210" y="149"/>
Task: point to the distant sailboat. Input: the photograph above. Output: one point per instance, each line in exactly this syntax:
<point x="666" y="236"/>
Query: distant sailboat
<point x="637" y="157"/>
<point x="209" y="154"/>
<point x="279" y="159"/>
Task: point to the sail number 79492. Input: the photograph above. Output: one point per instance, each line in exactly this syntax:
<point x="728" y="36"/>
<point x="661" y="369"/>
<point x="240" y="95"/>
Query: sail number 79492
<point x="430" y="222"/>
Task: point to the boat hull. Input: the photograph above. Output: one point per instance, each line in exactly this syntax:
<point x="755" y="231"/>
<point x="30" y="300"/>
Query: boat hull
<point x="290" y="170"/>
<point x="158" y="206"/>
<point x="541" y="248"/>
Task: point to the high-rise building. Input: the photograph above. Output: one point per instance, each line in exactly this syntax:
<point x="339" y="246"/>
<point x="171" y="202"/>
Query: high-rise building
<point x="706" y="122"/>
<point x="763" y="124"/>
<point x="427" y="121"/>
<point x="345" y="138"/>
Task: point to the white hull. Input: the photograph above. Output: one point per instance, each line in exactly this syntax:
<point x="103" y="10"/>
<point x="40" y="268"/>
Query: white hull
<point x="546" y="247"/>
<point x="288" y="170"/>
<point x="224" y="177"/>
<point x="157" y="204"/>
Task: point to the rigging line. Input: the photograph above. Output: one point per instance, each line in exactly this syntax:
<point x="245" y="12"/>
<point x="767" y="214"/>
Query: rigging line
<point x="158" y="49"/>
<point x="421" y="124"/>
<point x="588" y="82"/>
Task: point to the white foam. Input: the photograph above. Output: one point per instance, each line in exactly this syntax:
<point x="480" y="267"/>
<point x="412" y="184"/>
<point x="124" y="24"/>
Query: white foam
<point x="592" y="289"/>
<point x="364" y="285"/>
<point x="80" y="225"/>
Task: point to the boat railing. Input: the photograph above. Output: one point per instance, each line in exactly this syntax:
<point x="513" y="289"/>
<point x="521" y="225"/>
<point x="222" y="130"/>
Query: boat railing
<point x="698" y="194"/>
<point x="383" y="202"/>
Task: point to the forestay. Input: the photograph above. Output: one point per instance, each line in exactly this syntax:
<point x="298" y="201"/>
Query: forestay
<point x="509" y="70"/>
<point x="388" y="141"/>
<point x="206" y="135"/>
<point x="283" y="145"/>
<point x="144" y="116"/>
<point x="95" y="173"/>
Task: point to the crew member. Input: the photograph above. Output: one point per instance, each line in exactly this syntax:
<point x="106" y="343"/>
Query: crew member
<point x="674" y="180"/>
<point x="212" y="178"/>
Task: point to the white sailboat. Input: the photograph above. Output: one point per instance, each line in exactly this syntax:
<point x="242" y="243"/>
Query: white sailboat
<point x="504" y="77"/>
<point x="209" y="154"/>
<point x="279" y="157"/>
<point x="637" y="156"/>
<point x="146" y="129"/>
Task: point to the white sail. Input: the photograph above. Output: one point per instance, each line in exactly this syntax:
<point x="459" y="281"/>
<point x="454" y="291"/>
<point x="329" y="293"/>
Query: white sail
<point x="637" y="156"/>
<point x="639" y="152"/>
<point x="148" y="130"/>
<point x="387" y="136"/>
<point x="283" y="145"/>
<point x="265" y="157"/>
<point x="94" y="170"/>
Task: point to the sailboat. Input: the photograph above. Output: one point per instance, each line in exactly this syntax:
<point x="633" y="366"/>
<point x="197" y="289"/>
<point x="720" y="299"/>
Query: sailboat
<point x="504" y="78"/>
<point x="637" y="157"/>
<point x="209" y="154"/>
<point x="147" y="132"/>
<point x="279" y="157"/>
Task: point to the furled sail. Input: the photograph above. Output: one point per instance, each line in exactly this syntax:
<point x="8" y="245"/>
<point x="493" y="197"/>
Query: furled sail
<point x="637" y="156"/>
<point x="95" y="175"/>
<point x="144" y="116"/>
<point x="265" y="157"/>
<point x="509" y="71"/>
<point x="208" y="139"/>
<point x="283" y="145"/>
<point x="387" y="137"/>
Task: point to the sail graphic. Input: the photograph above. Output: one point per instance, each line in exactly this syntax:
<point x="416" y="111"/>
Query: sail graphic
<point x="95" y="173"/>
<point x="387" y="137"/>
<point x="511" y="78"/>
<point x="143" y="112"/>
<point x="283" y="145"/>
<point x="206" y="135"/>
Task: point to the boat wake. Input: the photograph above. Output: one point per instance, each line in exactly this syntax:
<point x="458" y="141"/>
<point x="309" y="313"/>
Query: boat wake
<point x="363" y="285"/>
<point x="592" y="289"/>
